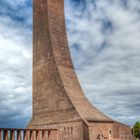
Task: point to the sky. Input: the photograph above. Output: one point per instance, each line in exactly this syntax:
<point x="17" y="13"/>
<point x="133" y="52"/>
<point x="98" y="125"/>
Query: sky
<point x="103" y="38"/>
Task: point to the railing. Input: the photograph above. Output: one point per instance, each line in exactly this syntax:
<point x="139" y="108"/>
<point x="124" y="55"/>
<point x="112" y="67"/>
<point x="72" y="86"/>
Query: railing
<point x="28" y="134"/>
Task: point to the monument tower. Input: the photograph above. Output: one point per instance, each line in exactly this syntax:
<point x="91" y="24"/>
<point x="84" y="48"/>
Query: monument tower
<point x="58" y="100"/>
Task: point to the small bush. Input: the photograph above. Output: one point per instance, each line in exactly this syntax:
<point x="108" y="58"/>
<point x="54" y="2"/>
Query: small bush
<point x="136" y="130"/>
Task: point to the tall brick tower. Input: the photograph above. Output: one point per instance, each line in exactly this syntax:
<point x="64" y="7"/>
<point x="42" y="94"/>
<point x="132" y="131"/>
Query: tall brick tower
<point x="58" y="100"/>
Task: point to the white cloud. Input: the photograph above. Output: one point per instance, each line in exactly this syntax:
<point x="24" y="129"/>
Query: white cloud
<point x="105" y="46"/>
<point x="107" y="58"/>
<point x="15" y="71"/>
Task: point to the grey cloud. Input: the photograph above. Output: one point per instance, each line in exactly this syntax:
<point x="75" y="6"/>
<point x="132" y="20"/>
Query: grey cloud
<point x="15" y="67"/>
<point x="104" y="41"/>
<point x="107" y="62"/>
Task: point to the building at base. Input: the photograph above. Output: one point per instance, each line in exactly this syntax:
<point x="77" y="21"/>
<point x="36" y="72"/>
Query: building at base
<point x="58" y="100"/>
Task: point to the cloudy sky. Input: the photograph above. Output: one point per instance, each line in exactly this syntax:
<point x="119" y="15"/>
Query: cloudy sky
<point x="104" y="39"/>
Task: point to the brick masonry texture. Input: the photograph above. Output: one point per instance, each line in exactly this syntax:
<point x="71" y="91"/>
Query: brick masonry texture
<point x="58" y="100"/>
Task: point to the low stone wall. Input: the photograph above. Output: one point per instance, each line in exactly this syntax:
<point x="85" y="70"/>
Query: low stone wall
<point x="28" y="134"/>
